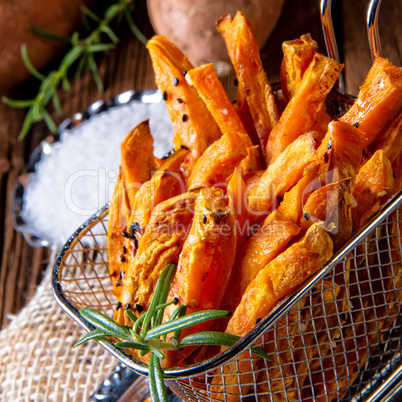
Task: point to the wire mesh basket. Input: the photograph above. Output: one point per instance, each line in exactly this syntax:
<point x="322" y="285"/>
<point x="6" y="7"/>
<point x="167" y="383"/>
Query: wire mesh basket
<point x="338" y="337"/>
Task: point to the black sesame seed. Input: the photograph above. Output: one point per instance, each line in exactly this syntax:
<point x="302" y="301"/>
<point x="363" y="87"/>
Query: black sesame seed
<point x="204" y="219"/>
<point x="135" y="242"/>
<point x="178" y="244"/>
<point x="122" y="259"/>
<point x="125" y="234"/>
<point x="127" y="306"/>
<point x="165" y="96"/>
<point x="326" y="157"/>
<point x="184" y="73"/>
<point x="356" y="125"/>
<point x="393" y="174"/>
<point x="330" y="143"/>
<point x="184" y="147"/>
<point x="234" y="102"/>
<point x="139" y="308"/>
<point x="184" y="118"/>
<point x="117" y="284"/>
<point x="179" y="100"/>
<point x="175" y="300"/>
<point x="118" y="306"/>
<point x="175" y="81"/>
<point x="122" y="274"/>
<point x="204" y="277"/>
<point x="306" y="216"/>
<point x="124" y="249"/>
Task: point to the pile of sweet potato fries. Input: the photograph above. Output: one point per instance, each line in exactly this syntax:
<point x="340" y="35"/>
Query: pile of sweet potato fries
<point x="258" y="194"/>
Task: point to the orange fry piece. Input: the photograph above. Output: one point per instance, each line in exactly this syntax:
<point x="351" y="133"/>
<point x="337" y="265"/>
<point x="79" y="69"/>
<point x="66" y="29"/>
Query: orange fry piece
<point x="300" y="113"/>
<point x="166" y="182"/>
<point x="206" y="262"/>
<point x="137" y="161"/>
<point x="193" y="124"/>
<point x="390" y="140"/>
<point x="379" y="100"/>
<point x="297" y="55"/>
<point x="245" y="56"/>
<point x="374" y="186"/>
<point x="219" y="161"/>
<point x="207" y="83"/>
<point x="283" y="174"/>
<point x="160" y="245"/>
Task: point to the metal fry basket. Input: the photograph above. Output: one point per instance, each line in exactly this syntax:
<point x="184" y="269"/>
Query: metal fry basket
<point x="338" y="337"/>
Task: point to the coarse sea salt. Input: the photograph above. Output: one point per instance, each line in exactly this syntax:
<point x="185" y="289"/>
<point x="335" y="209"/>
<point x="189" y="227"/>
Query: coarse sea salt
<point x="77" y="177"/>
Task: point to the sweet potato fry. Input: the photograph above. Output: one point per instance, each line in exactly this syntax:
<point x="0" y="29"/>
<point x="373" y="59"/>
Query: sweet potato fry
<point x="160" y="245"/>
<point x="300" y="114"/>
<point x="379" y="100"/>
<point x="297" y="55"/>
<point x="166" y="182"/>
<point x="206" y="82"/>
<point x="397" y="169"/>
<point x="193" y="125"/>
<point x="137" y="161"/>
<point x="245" y="56"/>
<point x="390" y="140"/>
<point x="283" y="174"/>
<point x="287" y="271"/>
<point x="219" y="161"/>
<point x="115" y="240"/>
<point x="374" y="186"/>
<point x="205" y="263"/>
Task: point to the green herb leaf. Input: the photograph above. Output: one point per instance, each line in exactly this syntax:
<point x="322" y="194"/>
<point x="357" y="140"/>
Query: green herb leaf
<point x="17" y="103"/>
<point x="49" y="35"/>
<point x="132" y="345"/>
<point x="29" y="65"/>
<point x="156" y="383"/>
<point x="188" y="320"/>
<point x="101" y="321"/>
<point x="95" y="335"/>
<point x="158" y="295"/>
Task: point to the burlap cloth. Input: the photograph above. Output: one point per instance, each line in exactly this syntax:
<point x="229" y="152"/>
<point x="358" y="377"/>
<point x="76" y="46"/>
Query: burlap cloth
<point x="37" y="362"/>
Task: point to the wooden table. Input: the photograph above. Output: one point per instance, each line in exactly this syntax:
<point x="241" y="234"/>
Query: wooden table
<point x="129" y="67"/>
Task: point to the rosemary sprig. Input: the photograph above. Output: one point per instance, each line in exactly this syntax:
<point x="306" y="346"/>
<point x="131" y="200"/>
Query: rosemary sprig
<point x="148" y="334"/>
<point x="81" y="54"/>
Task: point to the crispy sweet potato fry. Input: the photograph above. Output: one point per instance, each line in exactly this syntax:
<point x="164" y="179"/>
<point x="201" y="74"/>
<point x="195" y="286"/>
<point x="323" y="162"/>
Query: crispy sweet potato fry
<point x="283" y="174"/>
<point x="301" y="112"/>
<point x="379" y="100"/>
<point x="287" y="271"/>
<point x="219" y="161"/>
<point x="205" y="263"/>
<point x="390" y="140"/>
<point x="374" y="186"/>
<point x="193" y="125"/>
<point x="115" y="240"/>
<point x="206" y="82"/>
<point x="166" y="182"/>
<point x="160" y="245"/>
<point x="297" y="55"/>
<point x="137" y="161"/>
<point x="245" y="56"/>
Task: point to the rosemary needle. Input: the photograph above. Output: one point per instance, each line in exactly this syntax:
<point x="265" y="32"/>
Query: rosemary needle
<point x="81" y="54"/>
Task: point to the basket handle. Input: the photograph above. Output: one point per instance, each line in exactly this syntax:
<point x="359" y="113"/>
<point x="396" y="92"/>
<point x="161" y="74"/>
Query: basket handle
<point x="372" y="28"/>
<point x="329" y="37"/>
